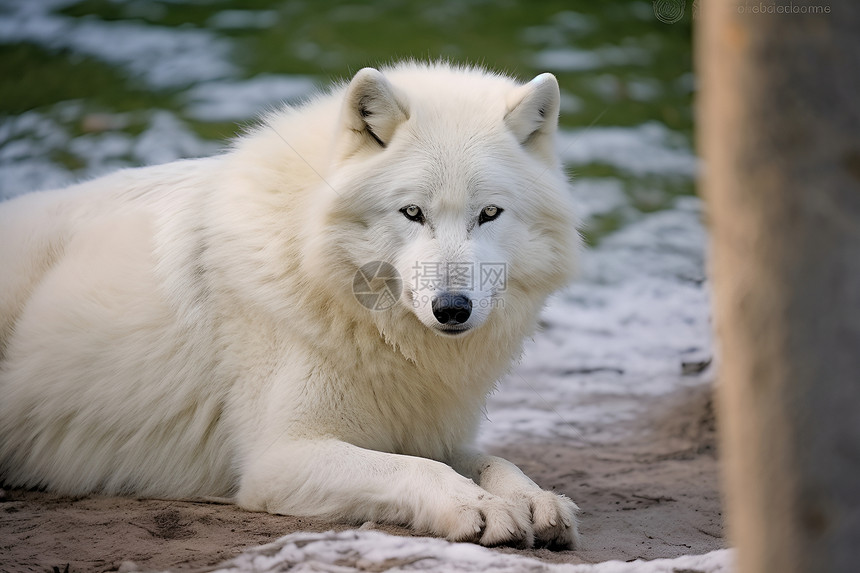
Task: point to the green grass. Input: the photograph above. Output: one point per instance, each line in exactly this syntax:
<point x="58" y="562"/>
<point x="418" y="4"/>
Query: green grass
<point x="36" y="78"/>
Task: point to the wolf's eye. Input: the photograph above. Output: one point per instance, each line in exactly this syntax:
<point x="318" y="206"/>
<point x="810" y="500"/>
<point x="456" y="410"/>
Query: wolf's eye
<point x="489" y="213"/>
<point x="413" y="213"/>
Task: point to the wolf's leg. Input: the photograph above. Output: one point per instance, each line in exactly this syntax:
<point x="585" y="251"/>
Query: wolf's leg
<point x="553" y="516"/>
<point x="335" y="480"/>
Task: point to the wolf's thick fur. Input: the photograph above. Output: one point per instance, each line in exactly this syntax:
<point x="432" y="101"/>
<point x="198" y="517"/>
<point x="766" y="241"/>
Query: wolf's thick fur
<point x="190" y="329"/>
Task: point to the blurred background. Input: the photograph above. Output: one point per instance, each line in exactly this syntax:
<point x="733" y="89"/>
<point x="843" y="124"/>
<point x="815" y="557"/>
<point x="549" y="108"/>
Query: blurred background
<point x="93" y="85"/>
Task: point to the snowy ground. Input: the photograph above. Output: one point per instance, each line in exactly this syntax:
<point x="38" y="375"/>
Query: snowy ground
<point x="373" y="551"/>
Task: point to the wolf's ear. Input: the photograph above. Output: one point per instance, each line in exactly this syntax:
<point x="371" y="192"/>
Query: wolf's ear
<point x="533" y="109"/>
<point x="372" y="107"/>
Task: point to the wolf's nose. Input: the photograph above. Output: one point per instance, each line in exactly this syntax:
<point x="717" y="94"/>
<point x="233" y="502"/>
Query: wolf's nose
<point x="452" y="308"/>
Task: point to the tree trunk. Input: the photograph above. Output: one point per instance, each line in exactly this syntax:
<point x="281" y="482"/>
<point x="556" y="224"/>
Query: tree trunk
<point x="779" y="129"/>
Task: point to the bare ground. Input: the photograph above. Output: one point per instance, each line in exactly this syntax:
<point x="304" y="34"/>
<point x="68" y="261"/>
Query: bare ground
<point x="652" y="495"/>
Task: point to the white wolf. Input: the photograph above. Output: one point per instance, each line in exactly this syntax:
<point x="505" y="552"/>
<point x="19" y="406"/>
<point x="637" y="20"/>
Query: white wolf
<point x="191" y="329"/>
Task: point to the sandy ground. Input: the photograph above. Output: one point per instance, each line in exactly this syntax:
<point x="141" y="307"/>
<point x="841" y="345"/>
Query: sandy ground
<point x="652" y="495"/>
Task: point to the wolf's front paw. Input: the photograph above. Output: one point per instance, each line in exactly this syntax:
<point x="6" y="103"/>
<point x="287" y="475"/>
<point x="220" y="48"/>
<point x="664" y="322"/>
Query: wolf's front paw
<point x="554" y="520"/>
<point x="488" y="520"/>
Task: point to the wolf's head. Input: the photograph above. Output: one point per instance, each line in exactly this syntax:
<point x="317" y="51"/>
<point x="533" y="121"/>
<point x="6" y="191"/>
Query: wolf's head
<point x="450" y="177"/>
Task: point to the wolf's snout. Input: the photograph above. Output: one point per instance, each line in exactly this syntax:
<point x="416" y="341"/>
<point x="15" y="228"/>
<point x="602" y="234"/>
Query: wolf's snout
<point x="452" y="308"/>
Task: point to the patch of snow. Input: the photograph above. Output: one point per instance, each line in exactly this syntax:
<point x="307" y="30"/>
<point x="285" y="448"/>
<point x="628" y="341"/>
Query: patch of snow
<point x="607" y="86"/>
<point x="544" y="35"/>
<point x="244" y="99"/>
<point x="667" y="245"/>
<point x="577" y="60"/>
<point x="570" y="103"/>
<point x="648" y="149"/>
<point x="102" y="149"/>
<point x="32" y="125"/>
<point x="562" y="27"/>
<point x="574" y="21"/>
<point x="352" y="551"/>
<point x="567" y="60"/>
<point x="168" y="139"/>
<point x="26" y="142"/>
<point x="34" y="175"/>
<point x="30" y="142"/>
<point x="161" y="57"/>
<point x="644" y="89"/>
<point x="242" y="19"/>
<point x="593" y="196"/>
<point x="615" y="338"/>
